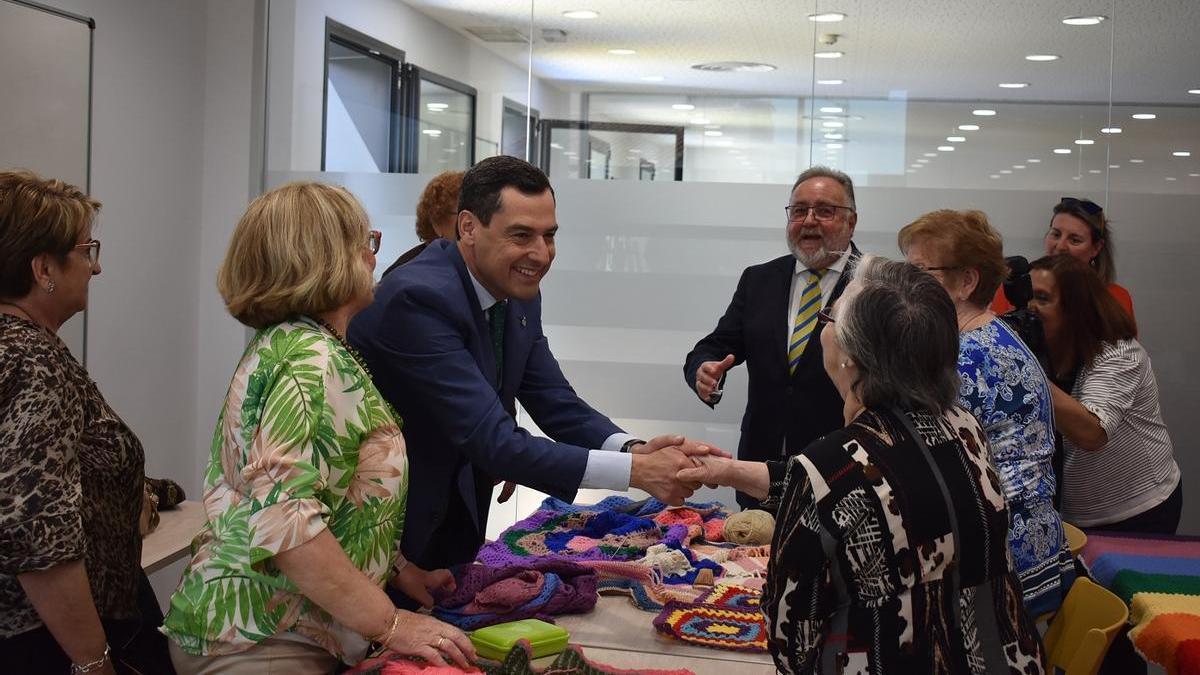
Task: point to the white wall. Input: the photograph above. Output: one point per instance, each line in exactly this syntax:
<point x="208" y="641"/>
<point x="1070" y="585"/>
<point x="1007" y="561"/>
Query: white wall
<point x="297" y="39"/>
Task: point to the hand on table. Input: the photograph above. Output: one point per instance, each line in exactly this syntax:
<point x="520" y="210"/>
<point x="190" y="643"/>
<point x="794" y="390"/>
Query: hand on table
<point x="432" y="640"/>
<point x="419" y="584"/>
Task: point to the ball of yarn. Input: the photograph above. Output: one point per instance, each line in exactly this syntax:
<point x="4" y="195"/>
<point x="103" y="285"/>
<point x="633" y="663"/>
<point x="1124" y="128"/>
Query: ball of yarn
<point x="750" y="528"/>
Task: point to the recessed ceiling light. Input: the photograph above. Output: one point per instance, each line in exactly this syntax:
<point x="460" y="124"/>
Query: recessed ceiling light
<point x="622" y="52"/>
<point x="580" y="14"/>
<point x="700" y="121"/>
<point x="1062" y="151"/>
<point x="1018" y="166"/>
<point x="1182" y="153"/>
<point x="968" y="127"/>
<point x="683" y="106"/>
<point x="995" y="175"/>
<point x="1084" y="141"/>
<point x="833" y="136"/>
<point x="831" y="82"/>
<point x="1074" y="177"/>
<point x="1084" y="20"/>
<point x="1013" y="85"/>
<point x="833" y="125"/>
<point x="1111" y="130"/>
<point x="635" y="151"/>
<point x="556" y="146"/>
<point x="827" y="17"/>
<point x="922" y="161"/>
<point x="929" y="154"/>
<point x="1005" y="171"/>
<point x="437" y="107"/>
<point x="714" y="133"/>
<point x="1033" y="160"/>
<point x="1114" y="166"/>
<point x="831" y="54"/>
<point x="833" y="146"/>
<point x="983" y="112"/>
<point x="957" y="139"/>
<point x="653" y="78"/>
<point x="432" y="132"/>
<point x="734" y="67"/>
<point x="1144" y="116"/>
<point x="1095" y="171"/>
<point x="1136" y="161"/>
<point x="1170" y="177"/>
<point x="832" y="109"/>
<point x="1194" y="175"/>
<point x="1041" y="57"/>
<point x="1194" y="91"/>
<point x="946" y="148"/>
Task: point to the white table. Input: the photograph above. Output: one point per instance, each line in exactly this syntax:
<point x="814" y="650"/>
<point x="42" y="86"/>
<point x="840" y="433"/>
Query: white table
<point x="172" y="539"/>
<point x="621" y="635"/>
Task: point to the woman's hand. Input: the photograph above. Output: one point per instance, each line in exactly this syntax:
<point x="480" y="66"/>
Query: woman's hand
<point x="426" y="637"/>
<point x="709" y="470"/>
<point x="419" y="584"/>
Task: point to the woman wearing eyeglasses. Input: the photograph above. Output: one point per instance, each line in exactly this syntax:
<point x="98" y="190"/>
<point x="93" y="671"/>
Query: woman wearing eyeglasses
<point x="306" y="487"/>
<point x="1079" y="229"/>
<point x="72" y="591"/>
<point x="889" y="553"/>
<point x="1004" y="386"/>
<point x="1119" y="462"/>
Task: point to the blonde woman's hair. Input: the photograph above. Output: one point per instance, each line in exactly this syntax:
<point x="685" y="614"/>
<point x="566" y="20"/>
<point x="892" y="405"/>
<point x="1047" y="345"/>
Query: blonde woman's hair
<point x="37" y="216"/>
<point x="296" y="251"/>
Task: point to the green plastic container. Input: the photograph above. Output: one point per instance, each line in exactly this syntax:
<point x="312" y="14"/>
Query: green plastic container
<point x="495" y="642"/>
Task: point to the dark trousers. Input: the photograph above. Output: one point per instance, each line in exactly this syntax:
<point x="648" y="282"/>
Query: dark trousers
<point x="135" y="645"/>
<point x="1162" y="519"/>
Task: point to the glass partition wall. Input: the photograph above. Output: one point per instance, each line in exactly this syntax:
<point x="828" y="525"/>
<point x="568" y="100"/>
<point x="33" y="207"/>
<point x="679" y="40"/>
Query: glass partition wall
<point x="699" y="115"/>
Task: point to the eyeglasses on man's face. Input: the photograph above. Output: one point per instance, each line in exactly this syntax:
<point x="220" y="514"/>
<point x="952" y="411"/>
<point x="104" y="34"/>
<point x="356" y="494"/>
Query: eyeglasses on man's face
<point x="823" y="212"/>
<point x="374" y="238"/>
<point x="92" y="251"/>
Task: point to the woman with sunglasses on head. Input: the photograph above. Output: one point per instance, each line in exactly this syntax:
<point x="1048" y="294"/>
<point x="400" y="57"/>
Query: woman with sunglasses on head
<point x="889" y="552"/>
<point x="1119" y="462"/>
<point x="73" y="597"/>
<point x="306" y="487"/>
<point x="1080" y="229"/>
<point x="1004" y="386"/>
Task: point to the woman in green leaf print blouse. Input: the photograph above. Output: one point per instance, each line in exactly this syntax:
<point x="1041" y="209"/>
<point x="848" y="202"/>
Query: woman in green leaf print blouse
<point x="306" y="485"/>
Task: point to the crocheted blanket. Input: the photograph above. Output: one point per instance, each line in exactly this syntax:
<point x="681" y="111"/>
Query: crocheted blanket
<point x="616" y="528"/>
<point x="540" y="589"/>
<point x="1159" y="578"/>
<point x="518" y="662"/>
<point x="728" y="617"/>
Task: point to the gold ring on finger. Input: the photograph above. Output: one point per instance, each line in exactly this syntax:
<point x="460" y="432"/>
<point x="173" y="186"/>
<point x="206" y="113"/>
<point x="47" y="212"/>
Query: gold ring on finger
<point x="438" y="644"/>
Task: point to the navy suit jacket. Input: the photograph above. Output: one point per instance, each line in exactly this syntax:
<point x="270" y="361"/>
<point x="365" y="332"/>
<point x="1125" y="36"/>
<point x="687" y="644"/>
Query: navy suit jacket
<point x="429" y="349"/>
<point x="784" y="411"/>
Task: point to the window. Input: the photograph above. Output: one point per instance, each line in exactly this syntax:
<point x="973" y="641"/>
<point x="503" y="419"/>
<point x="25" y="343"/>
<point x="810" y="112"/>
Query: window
<point x="440" y="122"/>
<point x="518" y="131"/>
<point x="361" y="129"/>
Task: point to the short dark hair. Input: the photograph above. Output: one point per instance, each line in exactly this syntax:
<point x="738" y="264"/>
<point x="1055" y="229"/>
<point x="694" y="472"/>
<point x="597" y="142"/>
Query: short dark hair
<point x="900" y="327"/>
<point x="481" y="186"/>
<point x="1089" y="312"/>
<point x="37" y="215"/>
<point x="826" y="172"/>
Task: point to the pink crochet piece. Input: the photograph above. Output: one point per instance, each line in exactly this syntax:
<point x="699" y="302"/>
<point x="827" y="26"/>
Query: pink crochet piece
<point x="714" y="529"/>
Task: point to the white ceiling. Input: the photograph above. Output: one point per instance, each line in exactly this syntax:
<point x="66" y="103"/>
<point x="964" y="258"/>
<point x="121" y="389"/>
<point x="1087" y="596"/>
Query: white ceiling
<point x="941" y="49"/>
<point x="913" y="72"/>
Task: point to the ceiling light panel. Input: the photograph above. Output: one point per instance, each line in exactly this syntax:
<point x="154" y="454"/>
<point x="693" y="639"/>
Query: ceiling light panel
<point x="827" y="17"/>
<point x="1084" y="20"/>
<point x="580" y="14"/>
<point x="1042" y="58"/>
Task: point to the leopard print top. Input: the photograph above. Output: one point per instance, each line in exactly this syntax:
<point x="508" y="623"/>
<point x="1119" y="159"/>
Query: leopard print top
<point x="71" y="477"/>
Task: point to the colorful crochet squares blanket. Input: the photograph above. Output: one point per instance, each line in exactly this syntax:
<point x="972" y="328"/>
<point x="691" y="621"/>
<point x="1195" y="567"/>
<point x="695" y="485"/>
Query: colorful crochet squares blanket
<point x="728" y="617"/>
<point x="518" y="662"/>
<point x="616" y="528"/>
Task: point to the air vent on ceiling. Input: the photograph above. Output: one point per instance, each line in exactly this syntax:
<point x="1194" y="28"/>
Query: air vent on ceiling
<point x="734" y="67"/>
<point x="497" y="33"/>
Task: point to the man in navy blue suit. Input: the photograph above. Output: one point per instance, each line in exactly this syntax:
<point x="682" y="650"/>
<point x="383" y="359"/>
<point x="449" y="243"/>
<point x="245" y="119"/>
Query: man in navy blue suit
<point x="454" y="339"/>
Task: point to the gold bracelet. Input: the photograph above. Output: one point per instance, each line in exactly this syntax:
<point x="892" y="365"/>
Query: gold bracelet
<point x="385" y="637"/>
<point x="91" y="666"/>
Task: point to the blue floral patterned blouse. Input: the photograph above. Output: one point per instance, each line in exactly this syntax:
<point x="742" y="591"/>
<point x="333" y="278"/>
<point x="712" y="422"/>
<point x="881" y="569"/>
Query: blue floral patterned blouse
<point x="1006" y="390"/>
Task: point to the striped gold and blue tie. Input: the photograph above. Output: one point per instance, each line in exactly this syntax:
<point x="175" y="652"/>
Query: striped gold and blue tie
<point x="806" y="318"/>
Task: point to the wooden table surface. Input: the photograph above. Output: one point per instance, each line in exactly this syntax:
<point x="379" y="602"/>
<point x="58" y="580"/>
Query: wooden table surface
<point x="172" y="539"/>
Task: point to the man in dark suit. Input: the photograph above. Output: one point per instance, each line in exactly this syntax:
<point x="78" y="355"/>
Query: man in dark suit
<point x="454" y="339"/>
<point x="771" y="326"/>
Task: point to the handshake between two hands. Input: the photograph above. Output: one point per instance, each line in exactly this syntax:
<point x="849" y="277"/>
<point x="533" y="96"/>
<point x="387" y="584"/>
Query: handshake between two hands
<point x="672" y="467"/>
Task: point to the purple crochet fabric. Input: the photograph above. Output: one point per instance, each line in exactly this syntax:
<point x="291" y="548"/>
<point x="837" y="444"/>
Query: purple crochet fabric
<point x="566" y="588"/>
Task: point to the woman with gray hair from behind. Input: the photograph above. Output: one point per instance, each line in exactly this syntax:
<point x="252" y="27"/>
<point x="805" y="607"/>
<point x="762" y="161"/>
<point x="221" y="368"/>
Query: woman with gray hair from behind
<point x="889" y="553"/>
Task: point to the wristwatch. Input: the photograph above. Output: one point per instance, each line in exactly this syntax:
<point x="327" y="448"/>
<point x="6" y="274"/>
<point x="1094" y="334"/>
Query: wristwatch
<point x="628" y="446"/>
